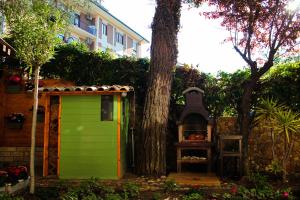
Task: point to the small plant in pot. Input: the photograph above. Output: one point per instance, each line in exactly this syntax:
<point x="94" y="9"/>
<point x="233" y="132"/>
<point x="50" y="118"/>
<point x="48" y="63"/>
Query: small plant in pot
<point x="14" y="84"/>
<point x="29" y="85"/>
<point x="3" y="178"/>
<point x="15" y="120"/>
<point x="14" y="80"/>
<point x="17" y="173"/>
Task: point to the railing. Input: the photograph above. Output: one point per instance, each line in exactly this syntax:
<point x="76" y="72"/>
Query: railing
<point x="89" y="27"/>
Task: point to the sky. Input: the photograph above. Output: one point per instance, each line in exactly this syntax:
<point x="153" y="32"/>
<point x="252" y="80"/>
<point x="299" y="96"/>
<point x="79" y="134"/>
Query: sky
<point x="200" y="41"/>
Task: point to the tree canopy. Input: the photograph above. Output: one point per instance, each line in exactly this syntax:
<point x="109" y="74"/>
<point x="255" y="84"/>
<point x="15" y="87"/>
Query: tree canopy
<point x="260" y="30"/>
<point x="34" y="26"/>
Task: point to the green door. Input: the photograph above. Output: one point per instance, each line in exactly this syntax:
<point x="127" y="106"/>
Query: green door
<point x="88" y="146"/>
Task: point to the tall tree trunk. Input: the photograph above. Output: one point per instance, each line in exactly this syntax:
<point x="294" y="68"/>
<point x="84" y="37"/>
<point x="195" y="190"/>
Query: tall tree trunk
<point x="152" y="157"/>
<point x="33" y="129"/>
<point x="245" y="107"/>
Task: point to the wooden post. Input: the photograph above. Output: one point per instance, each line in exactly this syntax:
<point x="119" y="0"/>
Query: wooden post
<point x="58" y="135"/>
<point x="209" y="129"/>
<point x="180" y="131"/>
<point x="46" y="137"/>
<point x="119" y="136"/>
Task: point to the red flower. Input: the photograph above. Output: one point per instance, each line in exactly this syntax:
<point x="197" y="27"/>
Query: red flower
<point x="234" y="189"/>
<point x="285" y="195"/>
<point x="15" y="79"/>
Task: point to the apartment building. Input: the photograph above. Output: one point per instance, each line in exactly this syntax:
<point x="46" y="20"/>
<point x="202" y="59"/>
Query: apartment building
<point x="99" y="29"/>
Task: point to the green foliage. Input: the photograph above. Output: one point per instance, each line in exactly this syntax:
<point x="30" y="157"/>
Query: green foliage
<point x="185" y="77"/>
<point x="131" y="190"/>
<point x="258" y="180"/>
<point x="227" y="196"/>
<point x="72" y="194"/>
<point x="45" y="193"/>
<point x="5" y="196"/>
<point x="112" y="196"/>
<point x="90" y="197"/>
<point x="275" y="167"/>
<point x="283" y="123"/>
<point x="282" y="82"/>
<point x="221" y="96"/>
<point x="257" y="188"/>
<point x="170" y="186"/>
<point x="89" y="189"/>
<point x="267" y="109"/>
<point x="74" y="62"/>
<point x="261" y="193"/>
<point x="156" y="196"/>
<point x="286" y="122"/>
<point x="193" y="196"/>
<point x="34" y="26"/>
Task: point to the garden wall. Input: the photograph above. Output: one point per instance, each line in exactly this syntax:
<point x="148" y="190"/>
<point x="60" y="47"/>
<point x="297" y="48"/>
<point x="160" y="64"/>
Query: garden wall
<point x="260" y="145"/>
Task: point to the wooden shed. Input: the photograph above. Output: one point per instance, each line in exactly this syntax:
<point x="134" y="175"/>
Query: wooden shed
<point x="86" y="131"/>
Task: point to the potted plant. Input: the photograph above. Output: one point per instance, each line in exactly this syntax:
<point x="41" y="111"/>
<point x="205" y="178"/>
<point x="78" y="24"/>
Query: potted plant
<point x="15" y="120"/>
<point x="29" y="85"/>
<point x="3" y="178"/>
<point x="16" y="173"/>
<point x="14" y="83"/>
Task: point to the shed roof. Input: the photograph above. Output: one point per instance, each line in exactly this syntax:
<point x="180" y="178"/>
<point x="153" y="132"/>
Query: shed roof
<point x="86" y="89"/>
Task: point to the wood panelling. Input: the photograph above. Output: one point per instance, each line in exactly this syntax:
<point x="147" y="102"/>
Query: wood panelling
<point x="20" y="103"/>
<point x="88" y="146"/>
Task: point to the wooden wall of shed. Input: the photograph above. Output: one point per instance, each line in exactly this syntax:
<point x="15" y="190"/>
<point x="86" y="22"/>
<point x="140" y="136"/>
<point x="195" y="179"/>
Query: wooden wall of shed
<point x="15" y="143"/>
<point x="21" y="103"/>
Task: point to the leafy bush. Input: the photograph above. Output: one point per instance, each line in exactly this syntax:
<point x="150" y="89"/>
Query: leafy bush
<point x="193" y="196"/>
<point x="46" y="193"/>
<point x="5" y="196"/>
<point x="112" y="196"/>
<point x="131" y="190"/>
<point x="258" y="188"/>
<point x="156" y="196"/>
<point x="170" y="186"/>
<point x="3" y="178"/>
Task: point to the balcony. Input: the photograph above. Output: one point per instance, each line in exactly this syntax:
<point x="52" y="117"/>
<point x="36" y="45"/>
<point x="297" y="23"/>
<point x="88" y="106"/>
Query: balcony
<point x="85" y="22"/>
<point x="92" y="29"/>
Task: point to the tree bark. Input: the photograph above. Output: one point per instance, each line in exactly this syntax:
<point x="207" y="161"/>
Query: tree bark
<point x="245" y="107"/>
<point x="152" y="154"/>
<point x="33" y="129"/>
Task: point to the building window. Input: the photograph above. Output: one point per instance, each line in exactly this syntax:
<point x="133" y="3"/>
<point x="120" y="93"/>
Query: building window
<point x="120" y="38"/>
<point x="77" y="19"/>
<point x="104" y="29"/>
<point x="72" y="39"/>
<point x="61" y="36"/>
<point x="107" y="107"/>
<point x="134" y="47"/>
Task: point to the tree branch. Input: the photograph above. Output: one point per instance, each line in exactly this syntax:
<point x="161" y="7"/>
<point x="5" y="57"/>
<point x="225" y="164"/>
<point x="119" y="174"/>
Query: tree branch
<point x="249" y="62"/>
